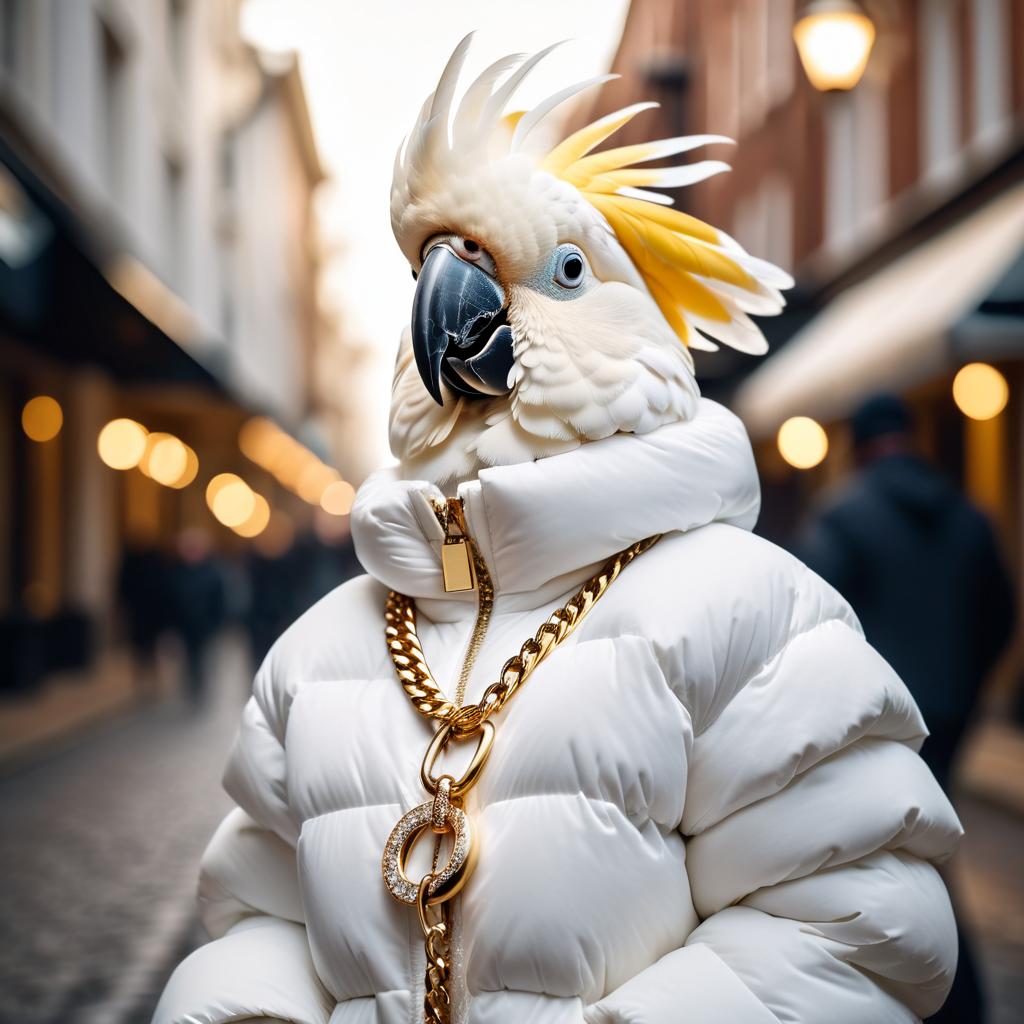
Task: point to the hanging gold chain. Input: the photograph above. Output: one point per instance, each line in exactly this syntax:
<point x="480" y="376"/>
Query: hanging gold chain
<point x="437" y="935"/>
<point x="444" y="813"/>
<point x="427" y="697"/>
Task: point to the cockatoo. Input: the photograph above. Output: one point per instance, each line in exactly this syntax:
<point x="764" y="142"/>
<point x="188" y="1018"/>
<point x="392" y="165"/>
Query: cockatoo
<point x="558" y="297"/>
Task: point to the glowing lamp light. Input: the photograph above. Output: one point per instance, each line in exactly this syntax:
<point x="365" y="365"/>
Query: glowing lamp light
<point x="153" y="438"/>
<point x="980" y="391"/>
<point x="190" y="472"/>
<point x="216" y="483"/>
<point x="261" y="440"/>
<point x="122" y="443"/>
<point x="314" y="480"/>
<point x="337" y="498"/>
<point x="834" y="39"/>
<point x="168" y="460"/>
<point x="231" y="500"/>
<point x="42" y="418"/>
<point x="802" y="442"/>
<point x="257" y="521"/>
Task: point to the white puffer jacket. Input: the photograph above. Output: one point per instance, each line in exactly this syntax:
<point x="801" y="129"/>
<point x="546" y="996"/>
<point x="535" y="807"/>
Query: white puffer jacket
<point x="706" y="806"/>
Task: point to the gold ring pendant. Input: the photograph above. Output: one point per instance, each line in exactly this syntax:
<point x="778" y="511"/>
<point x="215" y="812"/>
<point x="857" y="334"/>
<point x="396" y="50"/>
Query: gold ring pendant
<point x="452" y="877"/>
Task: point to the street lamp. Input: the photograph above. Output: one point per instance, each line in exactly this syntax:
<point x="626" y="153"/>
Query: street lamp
<point x="834" y="40"/>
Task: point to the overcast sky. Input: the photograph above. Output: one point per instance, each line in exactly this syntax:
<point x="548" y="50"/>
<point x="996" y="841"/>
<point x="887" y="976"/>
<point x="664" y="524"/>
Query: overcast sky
<point x="367" y="66"/>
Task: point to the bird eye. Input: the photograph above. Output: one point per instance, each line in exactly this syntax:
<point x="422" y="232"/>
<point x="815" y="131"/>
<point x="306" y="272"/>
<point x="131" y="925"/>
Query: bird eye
<point x="570" y="268"/>
<point x="472" y="251"/>
<point x="468" y="249"/>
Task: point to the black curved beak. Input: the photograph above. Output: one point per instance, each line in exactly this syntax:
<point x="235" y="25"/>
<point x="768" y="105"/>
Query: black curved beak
<point x="459" y="333"/>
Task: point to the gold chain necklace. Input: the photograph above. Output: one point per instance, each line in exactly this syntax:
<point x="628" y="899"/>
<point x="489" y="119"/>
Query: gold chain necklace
<point x="443" y="813"/>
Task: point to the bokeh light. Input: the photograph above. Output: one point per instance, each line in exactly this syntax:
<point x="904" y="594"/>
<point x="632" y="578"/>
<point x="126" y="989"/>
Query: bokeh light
<point x="260" y="440"/>
<point x="153" y="438"/>
<point x="42" y="418"/>
<point x="216" y="483"/>
<point x="168" y="461"/>
<point x="230" y="499"/>
<point x="122" y="443"/>
<point x="314" y="480"/>
<point x="258" y="519"/>
<point x="802" y="442"/>
<point x="292" y="464"/>
<point x="980" y="391"/>
<point x="190" y="472"/>
<point x="337" y="498"/>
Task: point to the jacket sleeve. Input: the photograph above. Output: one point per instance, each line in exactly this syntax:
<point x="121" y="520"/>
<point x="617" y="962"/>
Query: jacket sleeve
<point x="258" y="966"/>
<point x="812" y="828"/>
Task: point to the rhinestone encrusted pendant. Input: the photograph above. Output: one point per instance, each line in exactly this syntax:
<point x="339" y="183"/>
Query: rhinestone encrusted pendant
<point x="446" y="882"/>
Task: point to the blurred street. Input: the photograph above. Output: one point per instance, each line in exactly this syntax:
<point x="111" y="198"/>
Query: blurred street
<point x="200" y="304"/>
<point x="99" y="853"/>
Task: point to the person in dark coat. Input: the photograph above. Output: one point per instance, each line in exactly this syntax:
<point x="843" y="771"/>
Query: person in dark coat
<point x="142" y="588"/>
<point x="197" y="588"/>
<point x="921" y="567"/>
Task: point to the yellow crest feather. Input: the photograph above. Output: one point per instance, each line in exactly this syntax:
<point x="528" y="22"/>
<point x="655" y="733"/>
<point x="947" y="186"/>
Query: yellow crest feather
<point x="671" y="250"/>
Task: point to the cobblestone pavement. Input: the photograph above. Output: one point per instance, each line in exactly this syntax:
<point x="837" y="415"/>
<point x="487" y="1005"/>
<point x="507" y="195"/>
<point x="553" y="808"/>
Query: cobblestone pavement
<point x="99" y="851"/>
<point x="99" y="848"/>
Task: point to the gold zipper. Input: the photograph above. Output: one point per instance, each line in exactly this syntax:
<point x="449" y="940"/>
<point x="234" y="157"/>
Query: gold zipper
<point x="456" y="549"/>
<point x="464" y="565"/>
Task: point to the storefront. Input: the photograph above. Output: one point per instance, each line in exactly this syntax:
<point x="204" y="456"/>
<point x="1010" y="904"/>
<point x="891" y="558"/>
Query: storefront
<point x="941" y="323"/>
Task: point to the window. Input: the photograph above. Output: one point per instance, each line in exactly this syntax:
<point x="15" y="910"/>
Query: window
<point x="763" y="221"/>
<point x="226" y="161"/>
<point x="940" y="86"/>
<point x="753" y="69"/>
<point x="722" y="72"/>
<point x="855" y="160"/>
<point x="177" y="36"/>
<point x="781" y="51"/>
<point x="113" y="109"/>
<point x="777" y="198"/>
<point x="11" y="25"/>
<point x="174" y="227"/>
<point x="990" y="59"/>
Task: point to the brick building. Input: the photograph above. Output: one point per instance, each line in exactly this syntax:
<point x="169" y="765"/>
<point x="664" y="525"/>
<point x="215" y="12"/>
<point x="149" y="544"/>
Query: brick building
<point x="898" y="206"/>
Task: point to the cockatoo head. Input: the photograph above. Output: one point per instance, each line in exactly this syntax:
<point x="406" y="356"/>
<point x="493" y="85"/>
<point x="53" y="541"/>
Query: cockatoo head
<point x="558" y="299"/>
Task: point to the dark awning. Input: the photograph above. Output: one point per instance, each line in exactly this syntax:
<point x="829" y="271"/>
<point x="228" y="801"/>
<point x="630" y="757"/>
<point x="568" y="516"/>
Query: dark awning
<point x="995" y="330"/>
<point x="893" y="329"/>
<point x="55" y="298"/>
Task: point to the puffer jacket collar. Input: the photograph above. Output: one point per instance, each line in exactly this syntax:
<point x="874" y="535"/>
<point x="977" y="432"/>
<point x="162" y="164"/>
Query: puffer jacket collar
<point x="543" y="526"/>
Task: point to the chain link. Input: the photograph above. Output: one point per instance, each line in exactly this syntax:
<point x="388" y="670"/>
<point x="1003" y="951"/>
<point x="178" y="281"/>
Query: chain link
<point x="463" y="722"/>
<point x="426" y="696"/>
<point x="437" y="936"/>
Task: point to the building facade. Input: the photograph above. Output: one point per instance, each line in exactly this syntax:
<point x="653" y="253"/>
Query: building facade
<point x="819" y="180"/>
<point x="897" y="206"/>
<point x="158" y="262"/>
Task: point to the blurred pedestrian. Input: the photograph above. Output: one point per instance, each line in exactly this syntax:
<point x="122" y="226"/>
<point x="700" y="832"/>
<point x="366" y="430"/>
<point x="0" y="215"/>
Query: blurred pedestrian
<point x="921" y="567"/>
<point x="142" y="587"/>
<point x="285" y="580"/>
<point x="198" y="603"/>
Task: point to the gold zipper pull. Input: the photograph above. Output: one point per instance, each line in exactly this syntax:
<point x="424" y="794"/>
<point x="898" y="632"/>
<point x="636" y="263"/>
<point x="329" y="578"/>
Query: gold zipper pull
<point x="456" y="550"/>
